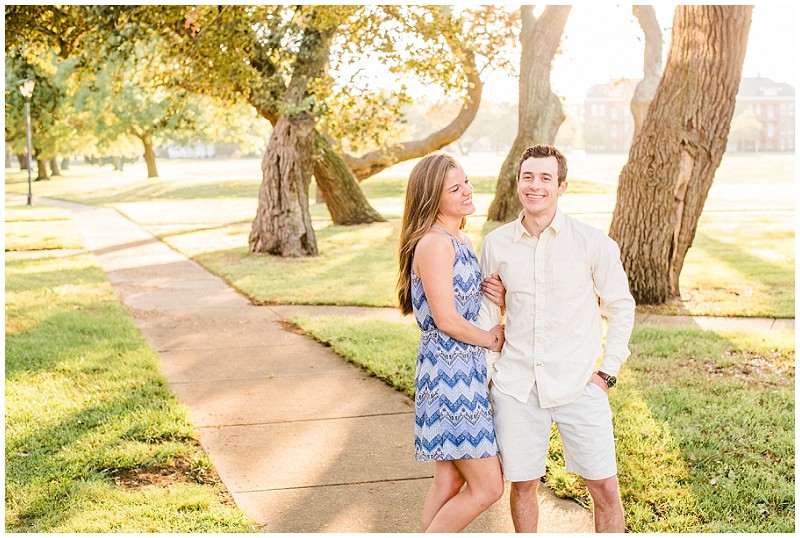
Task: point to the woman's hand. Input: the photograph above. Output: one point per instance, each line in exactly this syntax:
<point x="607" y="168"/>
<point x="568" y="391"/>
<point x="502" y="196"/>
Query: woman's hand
<point x="495" y="290"/>
<point x="500" y="337"/>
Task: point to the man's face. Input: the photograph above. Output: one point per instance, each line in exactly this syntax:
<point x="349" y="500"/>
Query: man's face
<point x="538" y="187"/>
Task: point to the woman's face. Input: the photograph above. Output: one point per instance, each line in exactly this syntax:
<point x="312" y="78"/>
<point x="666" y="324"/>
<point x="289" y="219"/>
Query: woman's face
<point x="456" y="200"/>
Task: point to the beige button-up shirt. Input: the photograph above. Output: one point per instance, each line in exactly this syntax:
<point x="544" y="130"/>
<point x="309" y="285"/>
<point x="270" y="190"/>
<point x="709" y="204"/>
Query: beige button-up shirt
<point x="559" y="286"/>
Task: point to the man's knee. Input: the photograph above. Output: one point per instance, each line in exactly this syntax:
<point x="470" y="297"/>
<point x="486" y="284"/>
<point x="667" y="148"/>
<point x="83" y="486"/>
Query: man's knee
<point x="604" y="491"/>
<point x="525" y="488"/>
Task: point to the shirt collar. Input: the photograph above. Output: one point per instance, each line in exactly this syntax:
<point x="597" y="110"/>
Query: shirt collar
<point x="557" y="225"/>
<point x="558" y="221"/>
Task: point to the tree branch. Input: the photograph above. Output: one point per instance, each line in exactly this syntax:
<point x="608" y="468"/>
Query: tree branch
<point x="373" y="162"/>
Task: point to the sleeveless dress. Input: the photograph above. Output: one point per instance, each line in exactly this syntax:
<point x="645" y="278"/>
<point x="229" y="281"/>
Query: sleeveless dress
<point x="453" y="417"/>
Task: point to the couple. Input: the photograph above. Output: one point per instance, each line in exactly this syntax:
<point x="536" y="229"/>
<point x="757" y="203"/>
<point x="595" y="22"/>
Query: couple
<point x="553" y="278"/>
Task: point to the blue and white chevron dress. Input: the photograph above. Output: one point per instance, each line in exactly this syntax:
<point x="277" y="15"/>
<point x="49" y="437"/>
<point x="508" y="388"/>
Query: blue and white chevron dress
<point x="453" y="417"/>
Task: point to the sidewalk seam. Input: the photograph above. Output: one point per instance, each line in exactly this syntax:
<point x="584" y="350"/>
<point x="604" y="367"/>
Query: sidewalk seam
<point x="260" y="377"/>
<point x="338" y="484"/>
<point x="349" y="417"/>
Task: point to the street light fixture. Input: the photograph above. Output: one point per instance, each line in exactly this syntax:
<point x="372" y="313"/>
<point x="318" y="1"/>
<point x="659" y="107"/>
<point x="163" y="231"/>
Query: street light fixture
<point x="26" y="89"/>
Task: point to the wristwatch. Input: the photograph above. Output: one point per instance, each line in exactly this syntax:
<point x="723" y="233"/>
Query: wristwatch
<point x="610" y="380"/>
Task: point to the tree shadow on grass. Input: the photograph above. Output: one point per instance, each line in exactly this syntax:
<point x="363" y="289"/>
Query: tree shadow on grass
<point x="163" y="190"/>
<point x="46" y="326"/>
<point x="350" y="256"/>
<point x="704" y="436"/>
<point x="40" y="280"/>
<point x="127" y="416"/>
<point x="728" y="414"/>
<point x="167" y="236"/>
<point x="225" y="189"/>
<point x="769" y="273"/>
<point x="56" y="463"/>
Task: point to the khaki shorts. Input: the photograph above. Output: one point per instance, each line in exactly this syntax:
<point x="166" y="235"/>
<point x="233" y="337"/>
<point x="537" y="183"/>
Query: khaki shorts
<point x="523" y="434"/>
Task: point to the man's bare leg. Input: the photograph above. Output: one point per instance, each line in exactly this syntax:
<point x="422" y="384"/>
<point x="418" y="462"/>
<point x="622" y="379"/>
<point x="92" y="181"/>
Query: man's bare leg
<point x="608" y="513"/>
<point x="525" y="505"/>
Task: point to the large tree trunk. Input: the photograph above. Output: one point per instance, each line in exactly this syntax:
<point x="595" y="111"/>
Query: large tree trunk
<point x="540" y="111"/>
<point x="54" y="170"/>
<point x="149" y="157"/>
<point x="65" y="163"/>
<point x="373" y="162"/>
<point x="338" y="188"/>
<point x="670" y="169"/>
<point x="336" y="185"/>
<point x="283" y="225"/>
<point x="653" y="44"/>
<point x="41" y="173"/>
<point x="23" y="161"/>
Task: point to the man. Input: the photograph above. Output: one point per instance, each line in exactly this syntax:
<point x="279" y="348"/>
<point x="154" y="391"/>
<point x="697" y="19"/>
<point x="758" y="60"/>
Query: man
<point x="562" y="277"/>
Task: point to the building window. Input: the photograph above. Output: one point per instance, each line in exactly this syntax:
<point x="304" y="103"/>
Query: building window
<point x="770" y="130"/>
<point x="770" y="112"/>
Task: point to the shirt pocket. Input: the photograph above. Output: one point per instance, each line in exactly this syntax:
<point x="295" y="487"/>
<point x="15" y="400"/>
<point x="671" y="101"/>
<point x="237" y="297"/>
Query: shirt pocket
<point x="570" y="278"/>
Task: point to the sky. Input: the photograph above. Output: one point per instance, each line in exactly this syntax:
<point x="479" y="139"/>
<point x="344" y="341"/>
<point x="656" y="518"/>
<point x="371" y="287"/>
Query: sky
<point x="604" y="42"/>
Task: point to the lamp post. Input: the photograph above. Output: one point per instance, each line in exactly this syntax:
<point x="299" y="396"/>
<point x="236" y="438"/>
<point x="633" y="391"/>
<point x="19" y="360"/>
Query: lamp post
<point x="26" y="89"/>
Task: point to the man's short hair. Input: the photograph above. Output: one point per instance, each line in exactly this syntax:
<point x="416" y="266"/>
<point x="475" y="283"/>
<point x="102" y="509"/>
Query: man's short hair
<point x="542" y="151"/>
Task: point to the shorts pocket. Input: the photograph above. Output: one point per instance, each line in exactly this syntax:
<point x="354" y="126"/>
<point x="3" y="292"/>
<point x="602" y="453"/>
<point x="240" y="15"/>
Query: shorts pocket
<point x="596" y="388"/>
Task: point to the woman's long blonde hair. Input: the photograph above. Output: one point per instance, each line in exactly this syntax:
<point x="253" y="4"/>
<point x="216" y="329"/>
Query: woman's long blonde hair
<point x="423" y="192"/>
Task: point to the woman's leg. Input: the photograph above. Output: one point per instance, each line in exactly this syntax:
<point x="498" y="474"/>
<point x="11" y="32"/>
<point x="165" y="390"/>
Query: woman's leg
<point x="447" y="482"/>
<point x="484" y="488"/>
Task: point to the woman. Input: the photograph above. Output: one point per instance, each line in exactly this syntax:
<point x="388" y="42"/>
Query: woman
<point x="440" y="282"/>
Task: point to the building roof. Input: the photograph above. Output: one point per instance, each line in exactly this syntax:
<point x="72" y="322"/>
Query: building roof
<point x="623" y="87"/>
<point x="748" y="87"/>
<point x="764" y="87"/>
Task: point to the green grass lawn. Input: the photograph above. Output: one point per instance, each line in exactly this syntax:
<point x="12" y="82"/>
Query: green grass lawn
<point x="39" y="228"/>
<point x="704" y="422"/>
<point x="95" y="440"/>
<point x="741" y="263"/>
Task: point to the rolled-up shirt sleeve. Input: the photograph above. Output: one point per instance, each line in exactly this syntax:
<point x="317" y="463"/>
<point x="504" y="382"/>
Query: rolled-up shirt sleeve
<point x="616" y="303"/>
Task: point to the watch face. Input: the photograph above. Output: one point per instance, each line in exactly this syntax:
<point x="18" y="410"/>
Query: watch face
<point x="611" y="381"/>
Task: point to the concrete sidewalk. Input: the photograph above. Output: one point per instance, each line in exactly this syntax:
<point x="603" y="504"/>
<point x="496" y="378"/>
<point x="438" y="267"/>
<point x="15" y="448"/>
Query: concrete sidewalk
<point x="304" y="441"/>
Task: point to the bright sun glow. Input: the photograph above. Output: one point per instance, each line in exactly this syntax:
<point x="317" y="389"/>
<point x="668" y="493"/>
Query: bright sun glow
<point x="604" y="42"/>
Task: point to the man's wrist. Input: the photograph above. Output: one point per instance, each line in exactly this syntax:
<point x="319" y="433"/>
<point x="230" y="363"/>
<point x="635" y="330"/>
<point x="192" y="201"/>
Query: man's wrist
<point x="610" y="380"/>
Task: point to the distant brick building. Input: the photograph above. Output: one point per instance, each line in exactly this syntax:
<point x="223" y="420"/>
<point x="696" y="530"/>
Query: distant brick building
<point x="608" y="124"/>
<point x="769" y="106"/>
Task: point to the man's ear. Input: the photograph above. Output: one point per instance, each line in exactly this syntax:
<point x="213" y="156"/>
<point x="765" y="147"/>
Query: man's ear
<point x="562" y="188"/>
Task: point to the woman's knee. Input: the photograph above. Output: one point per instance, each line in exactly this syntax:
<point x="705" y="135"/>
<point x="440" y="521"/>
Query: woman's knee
<point x="490" y="491"/>
<point x="497" y="489"/>
<point x="448" y="480"/>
